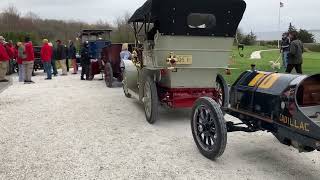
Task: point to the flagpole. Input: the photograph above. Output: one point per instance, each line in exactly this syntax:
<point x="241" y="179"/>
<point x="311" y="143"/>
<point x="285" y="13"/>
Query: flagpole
<point x="279" y="22"/>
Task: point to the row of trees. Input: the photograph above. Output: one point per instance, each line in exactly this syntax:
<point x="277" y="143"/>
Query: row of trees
<point x="251" y="39"/>
<point x="15" y="26"/>
<point x="246" y="39"/>
<point x="304" y="35"/>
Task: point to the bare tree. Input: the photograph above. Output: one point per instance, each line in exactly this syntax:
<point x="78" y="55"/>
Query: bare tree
<point x="31" y="24"/>
<point x="123" y="31"/>
<point x="10" y="18"/>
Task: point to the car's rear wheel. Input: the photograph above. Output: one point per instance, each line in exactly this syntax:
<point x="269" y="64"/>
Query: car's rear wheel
<point x="209" y="128"/>
<point x="150" y="101"/>
<point x="108" y="75"/>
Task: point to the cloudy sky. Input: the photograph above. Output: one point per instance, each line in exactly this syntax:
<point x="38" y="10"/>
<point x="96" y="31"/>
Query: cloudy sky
<point x="261" y="15"/>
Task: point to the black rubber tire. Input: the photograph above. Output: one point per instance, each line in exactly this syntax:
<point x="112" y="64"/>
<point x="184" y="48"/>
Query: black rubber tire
<point x="108" y="75"/>
<point x="16" y="68"/>
<point x="225" y="95"/>
<point x="154" y="114"/>
<point x="220" y="127"/>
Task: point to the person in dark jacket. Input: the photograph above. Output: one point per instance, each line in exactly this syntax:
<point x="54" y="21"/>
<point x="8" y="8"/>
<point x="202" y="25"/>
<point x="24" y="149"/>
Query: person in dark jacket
<point x="67" y="57"/>
<point x="53" y="60"/>
<point x="61" y="57"/>
<point x="295" y="59"/>
<point x="72" y="54"/>
<point x="285" y="47"/>
<point x="85" y="61"/>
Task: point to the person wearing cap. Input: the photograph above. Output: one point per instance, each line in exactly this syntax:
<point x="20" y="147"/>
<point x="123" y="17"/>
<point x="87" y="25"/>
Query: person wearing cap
<point x="46" y="55"/>
<point x="61" y="57"/>
<point x="4" y="60"/>
<point x="29" y="61"/>
<point x="20" y="57"/>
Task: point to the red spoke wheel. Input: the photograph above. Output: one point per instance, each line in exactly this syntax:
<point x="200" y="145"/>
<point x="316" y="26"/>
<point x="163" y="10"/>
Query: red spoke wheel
<point x="222" y="97"/>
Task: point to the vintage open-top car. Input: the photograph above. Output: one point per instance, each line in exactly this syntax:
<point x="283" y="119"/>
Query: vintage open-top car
<point x="186" y="44"/>
<point x="97" y="39"/>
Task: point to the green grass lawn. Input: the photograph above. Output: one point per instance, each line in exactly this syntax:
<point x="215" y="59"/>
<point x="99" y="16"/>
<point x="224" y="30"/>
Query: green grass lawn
<point x="311" y="63"/>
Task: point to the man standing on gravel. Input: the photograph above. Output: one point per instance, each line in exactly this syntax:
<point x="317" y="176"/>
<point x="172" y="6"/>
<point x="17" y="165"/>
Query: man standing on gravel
<point x="72" y="53"/>
<point x="53" y="59"/>
<point x="46" y="55"/>
<point x="4" y="60"/>
<point x="85" y="61"/>
<point x="61" y="57"/>
<point x="29" y="61"/>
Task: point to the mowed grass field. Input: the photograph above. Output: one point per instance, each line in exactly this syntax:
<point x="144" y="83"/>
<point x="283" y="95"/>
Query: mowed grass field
<point x="311" y="64"/>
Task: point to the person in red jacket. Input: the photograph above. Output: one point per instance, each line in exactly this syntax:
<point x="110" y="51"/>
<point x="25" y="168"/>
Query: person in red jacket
<point x="10" y="51"/>
<point x="46" y="54"/>
<point x="29" y="61"/>
<point x="4" y="60"/>
<point x="20" y="57"/>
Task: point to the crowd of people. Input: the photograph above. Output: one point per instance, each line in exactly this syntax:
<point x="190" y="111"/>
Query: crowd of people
<point x="23" y="52"/>
<point x="51" y="56"/>
<point x="292" y="50"/>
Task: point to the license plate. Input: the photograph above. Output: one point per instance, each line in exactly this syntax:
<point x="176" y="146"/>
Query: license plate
<point x="184" y="59"/>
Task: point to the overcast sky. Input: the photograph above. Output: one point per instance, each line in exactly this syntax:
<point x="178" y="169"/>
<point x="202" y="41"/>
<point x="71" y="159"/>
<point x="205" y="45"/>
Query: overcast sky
<point x="261" y="15"/>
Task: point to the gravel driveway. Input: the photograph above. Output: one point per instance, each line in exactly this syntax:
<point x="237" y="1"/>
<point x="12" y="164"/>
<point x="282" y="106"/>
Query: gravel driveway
<point x="72" y="129"/>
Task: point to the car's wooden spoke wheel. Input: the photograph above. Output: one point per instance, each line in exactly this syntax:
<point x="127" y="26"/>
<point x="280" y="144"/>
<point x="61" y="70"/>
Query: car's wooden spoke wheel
<point x="150" y="101"/>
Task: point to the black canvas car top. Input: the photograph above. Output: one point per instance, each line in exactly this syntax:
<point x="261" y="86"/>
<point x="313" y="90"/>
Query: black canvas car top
<point x="193" y="17"/>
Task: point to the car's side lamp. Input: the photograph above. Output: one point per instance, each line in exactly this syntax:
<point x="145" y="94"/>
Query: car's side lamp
<point x="135" y="59"/>
<point x="228" y="72"/>
<point x="171" y="61"/>
<point x="253" y="67"/>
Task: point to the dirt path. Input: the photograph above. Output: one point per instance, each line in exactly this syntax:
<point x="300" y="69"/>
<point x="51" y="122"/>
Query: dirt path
<point x="257" y="54"/>
<point x="70" y="129"/>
